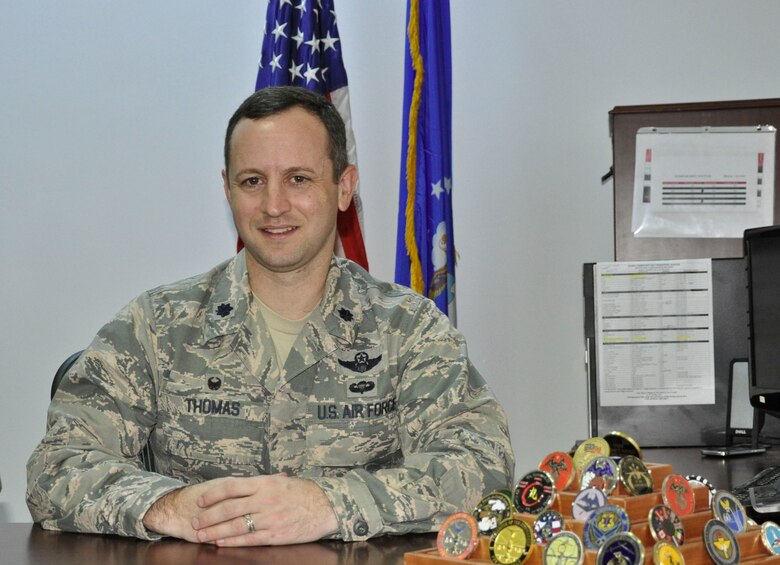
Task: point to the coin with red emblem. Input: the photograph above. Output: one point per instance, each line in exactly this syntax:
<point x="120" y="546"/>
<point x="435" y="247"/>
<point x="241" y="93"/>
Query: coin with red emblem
<point x="665" y="525"/>
<point x="560" y="467"/>
<point x="534" y="492"/>
<point x="677" y="494"/>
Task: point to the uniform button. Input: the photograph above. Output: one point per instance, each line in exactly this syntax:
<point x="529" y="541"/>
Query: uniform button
<point x="361" y="528"/>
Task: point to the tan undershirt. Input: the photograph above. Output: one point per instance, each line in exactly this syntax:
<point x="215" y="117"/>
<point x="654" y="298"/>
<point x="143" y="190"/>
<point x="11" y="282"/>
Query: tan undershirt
<point x="283" y="331"/>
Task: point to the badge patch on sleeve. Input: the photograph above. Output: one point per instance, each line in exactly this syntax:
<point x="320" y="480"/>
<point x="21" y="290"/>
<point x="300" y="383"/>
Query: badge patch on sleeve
<point x="363" y="387"/>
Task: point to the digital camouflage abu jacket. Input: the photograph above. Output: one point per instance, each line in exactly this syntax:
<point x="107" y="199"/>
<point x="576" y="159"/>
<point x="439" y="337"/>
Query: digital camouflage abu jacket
<point x="377" y="403"/>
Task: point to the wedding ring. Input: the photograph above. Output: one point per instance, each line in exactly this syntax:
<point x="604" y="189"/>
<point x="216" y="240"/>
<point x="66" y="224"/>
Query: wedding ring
<point x="250" y="524"/>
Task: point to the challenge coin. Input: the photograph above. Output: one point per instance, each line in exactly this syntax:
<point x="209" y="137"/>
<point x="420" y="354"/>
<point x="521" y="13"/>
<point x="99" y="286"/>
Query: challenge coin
<point x="589" y="450"/>
<point x="727" y="509"/>
<point x="491" y="510"/>
<point x="622" y="445"/>
<point x="564" y="549"/>
<point x="665" y="525"/>
<point x="534" y="492"/>
<point x="698" y="480"/>
<point x="604" y="523"/>
<point x="667" y="553"/>
<point x="635" y="476"/>
<point x="621" y="549"/>
<point x="677" y="494"/>
<point x="720" y="542"/>
<point x="770" y="537"/>
<point x="458" y="536"/>
<point x="560" y="467"/>
<point x="602" y="473"/>
<point x="586" y="501"/>
<point x="546" y="525"/>
<point x="511" y="543"/>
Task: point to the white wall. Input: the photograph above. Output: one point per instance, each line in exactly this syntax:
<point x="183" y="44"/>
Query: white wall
<point x="111" y="123"/>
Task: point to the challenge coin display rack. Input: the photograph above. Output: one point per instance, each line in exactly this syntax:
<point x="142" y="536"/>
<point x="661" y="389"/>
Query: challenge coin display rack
<point x="694" y="552"/>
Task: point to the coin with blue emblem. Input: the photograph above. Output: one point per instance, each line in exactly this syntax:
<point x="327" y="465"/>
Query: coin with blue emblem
<point x="546" y="525"/>
<point x="586" y="502"/>
<point x="729" y="510"/>
<point x="458" y="536"/>
<point x="720" y="542"/>
<point x="621" y="549"/>
<point x="511" y="543"/>
<point x="564" y="548"/>
<point x="604" y="523"/>
<point x="770" y="537"/>
<point x="602" y="473"/>
<point x="492" y="510"/>
<point x="534" y="492"/>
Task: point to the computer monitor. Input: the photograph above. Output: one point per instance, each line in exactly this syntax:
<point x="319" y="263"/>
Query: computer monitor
<point x="762" y="257"/>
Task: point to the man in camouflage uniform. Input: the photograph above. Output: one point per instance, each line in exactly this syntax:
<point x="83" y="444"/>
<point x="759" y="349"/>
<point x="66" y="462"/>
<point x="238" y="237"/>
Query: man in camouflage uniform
<point x="286" y="394"/>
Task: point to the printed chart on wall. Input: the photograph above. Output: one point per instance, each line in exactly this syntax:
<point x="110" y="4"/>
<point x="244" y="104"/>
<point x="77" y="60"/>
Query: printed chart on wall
<point x="654" y="333"/>
<point x="703" y="182"/>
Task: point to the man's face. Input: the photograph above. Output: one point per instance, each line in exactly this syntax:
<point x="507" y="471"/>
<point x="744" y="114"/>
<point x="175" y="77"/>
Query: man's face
<point x="281" y="190"/>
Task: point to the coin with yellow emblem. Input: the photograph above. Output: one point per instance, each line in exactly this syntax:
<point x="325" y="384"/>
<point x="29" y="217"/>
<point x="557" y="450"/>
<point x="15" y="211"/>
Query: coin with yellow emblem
<point x="605" y="522"/>
<point x="511" y="543"/>
<point x="588" y="450"/>
<point x="720" y="542"/>
<point x="564" y="548"/>
<point x="729" y="510"/>
<point x="667" y="553"/>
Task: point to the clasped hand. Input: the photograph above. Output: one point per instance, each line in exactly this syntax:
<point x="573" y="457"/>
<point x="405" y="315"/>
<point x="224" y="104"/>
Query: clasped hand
<point x="282" y="510"/>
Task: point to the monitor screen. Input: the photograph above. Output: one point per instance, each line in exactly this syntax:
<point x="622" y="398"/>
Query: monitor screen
<point x="762" y="252"/>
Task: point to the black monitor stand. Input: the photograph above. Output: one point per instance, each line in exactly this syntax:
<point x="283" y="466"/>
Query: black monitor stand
<point x="739" y="415"/>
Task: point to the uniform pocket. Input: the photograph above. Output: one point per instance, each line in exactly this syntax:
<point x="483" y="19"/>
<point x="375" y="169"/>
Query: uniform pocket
<point x="353" y="435"/>
<point x="222" y="427"/>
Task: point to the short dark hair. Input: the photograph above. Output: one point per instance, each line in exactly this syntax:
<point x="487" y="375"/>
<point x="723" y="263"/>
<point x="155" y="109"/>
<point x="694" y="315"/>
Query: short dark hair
<point x="276" y="99"/>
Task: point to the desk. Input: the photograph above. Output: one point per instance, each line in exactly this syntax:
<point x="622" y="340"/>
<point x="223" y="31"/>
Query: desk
<point x="723" y="473"/>
<point x="28" y="544"/>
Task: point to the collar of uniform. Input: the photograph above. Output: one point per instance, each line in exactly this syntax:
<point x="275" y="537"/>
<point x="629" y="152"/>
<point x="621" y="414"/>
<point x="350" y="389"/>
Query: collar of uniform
<point x="228" y="304"/>
<point x="341" y="307"/>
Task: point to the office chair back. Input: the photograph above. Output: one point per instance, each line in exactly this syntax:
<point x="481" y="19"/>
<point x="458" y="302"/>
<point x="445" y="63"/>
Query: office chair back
<point x="146" y="453"/>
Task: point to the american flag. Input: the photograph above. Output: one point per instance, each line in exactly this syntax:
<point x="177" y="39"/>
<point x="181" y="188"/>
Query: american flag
<point x="302" y="47"/>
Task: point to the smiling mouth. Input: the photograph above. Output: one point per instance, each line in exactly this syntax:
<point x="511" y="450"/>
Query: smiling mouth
<point x="279" y="231"/>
